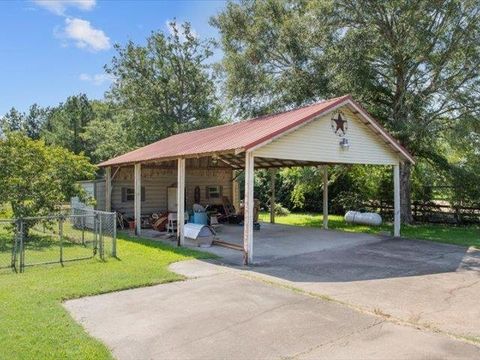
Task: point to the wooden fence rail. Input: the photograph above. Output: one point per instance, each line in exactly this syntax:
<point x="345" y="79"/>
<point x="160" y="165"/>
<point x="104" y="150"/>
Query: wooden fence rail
<point x="433" y="211"/>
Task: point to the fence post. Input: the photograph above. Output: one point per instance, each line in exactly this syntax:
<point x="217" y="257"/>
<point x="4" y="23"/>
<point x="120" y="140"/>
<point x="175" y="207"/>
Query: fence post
<point x="83" y="230"/>
<point x="95" y="233"/>
<point x="16" y="246"/>
<point x="22" y="246"/>
<point x="100" y="234"/>
<point x="114" y="235"/>
<point x="60" y="236"/>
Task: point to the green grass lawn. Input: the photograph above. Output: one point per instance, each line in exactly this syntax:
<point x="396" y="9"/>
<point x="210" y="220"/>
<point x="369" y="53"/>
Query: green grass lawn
<point x="33" y="323"/>
<point x="458" y="235"/>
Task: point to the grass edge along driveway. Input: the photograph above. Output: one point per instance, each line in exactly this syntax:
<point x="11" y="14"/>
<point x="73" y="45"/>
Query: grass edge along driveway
<point x="35" y="325"/>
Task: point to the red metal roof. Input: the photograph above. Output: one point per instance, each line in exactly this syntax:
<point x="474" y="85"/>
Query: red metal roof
<point x="238" y="136"/>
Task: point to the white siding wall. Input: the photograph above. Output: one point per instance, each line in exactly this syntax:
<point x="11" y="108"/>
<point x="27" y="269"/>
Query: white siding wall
<point x="100" y="195"/>
<point x="156" y="182"/>
<point x="96" y="190"/>
<point x="316" y="141"/>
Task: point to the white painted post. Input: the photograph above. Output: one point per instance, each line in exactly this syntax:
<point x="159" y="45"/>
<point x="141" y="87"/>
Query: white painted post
<point x="137" y="184"/>
<point x="325" y="197"/>
<point x="248" y="208"/>
<point x="396" y="200"/>
<point x="273" y="172"/>
<point x="181" y="202"/>
<point x="108" y="189"/>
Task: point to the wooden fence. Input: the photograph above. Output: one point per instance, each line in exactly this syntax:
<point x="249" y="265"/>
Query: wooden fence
<point x="436" y="211"/>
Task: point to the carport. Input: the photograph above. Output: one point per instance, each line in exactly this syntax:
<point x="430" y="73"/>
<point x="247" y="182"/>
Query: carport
<point x="336" y="131"/>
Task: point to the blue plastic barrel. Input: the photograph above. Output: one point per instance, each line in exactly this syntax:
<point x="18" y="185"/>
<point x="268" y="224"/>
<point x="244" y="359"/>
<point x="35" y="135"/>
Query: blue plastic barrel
<point x="200" y="218"/>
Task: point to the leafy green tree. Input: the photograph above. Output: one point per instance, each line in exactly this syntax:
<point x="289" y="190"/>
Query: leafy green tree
<point x="35" y="179"/>
<point x="67" y="122"/>
<point x="464" y="151"/>
<point x="413" y="64"/>
<point x="30" y="123"/>
<point x="166" y="86"/>
<point x="105" y="136"/>
<point x="273" y="55"/>
<point x="12" y="121"/>
<point x="34" y="121"/>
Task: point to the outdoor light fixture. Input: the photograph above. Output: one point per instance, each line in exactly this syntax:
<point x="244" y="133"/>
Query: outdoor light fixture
<point x="214" y="160"/>
<point x="344" y="144"/>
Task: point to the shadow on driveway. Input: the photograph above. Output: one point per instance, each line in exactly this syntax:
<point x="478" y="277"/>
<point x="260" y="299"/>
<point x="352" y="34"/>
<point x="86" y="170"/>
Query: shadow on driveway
<point x="390" y="258"/>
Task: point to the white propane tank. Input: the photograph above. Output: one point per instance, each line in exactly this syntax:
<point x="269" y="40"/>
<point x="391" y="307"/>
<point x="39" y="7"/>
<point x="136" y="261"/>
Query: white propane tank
<point x="357" y="217"/>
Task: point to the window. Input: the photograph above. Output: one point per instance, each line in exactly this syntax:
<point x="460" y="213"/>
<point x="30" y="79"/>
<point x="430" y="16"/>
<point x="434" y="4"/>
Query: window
<point x="214" y="192"/>
<point x="128" y="194"/>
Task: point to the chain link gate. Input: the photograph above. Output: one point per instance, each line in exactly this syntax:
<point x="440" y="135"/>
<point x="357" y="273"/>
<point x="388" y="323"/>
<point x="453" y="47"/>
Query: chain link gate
<point x="83" y="234"/>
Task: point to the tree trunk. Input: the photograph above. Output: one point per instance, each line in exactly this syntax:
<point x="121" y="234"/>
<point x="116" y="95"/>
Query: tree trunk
<point x="405" y="193"/>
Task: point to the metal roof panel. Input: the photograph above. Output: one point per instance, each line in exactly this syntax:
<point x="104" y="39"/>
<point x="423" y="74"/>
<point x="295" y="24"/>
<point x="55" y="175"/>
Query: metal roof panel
<point x="237" y="136"/>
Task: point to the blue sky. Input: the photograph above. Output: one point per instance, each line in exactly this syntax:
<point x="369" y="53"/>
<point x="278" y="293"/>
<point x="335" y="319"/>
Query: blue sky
<point x="50" y="49"/>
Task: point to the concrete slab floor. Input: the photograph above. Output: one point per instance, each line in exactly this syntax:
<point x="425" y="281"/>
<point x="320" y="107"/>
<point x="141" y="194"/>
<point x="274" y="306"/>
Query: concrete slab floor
<point x="221" y="314"/>
<point x="274" y="241"/>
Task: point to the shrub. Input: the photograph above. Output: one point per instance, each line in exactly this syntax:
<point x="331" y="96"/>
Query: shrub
<point x="35" y="178"/>
<point x="280" y="210"/>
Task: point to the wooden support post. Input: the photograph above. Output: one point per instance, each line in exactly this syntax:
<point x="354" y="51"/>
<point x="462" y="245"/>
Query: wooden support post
<point x="137" y="184"/>
<point x="273" y="173"/>
<point x="248" y="209"/>
<point x="396" y="200"/>
<point x="108" y="189"/>
<point x="235" y="193"/>
<point x="325" y="197"/>
<point x="181" y="202"/>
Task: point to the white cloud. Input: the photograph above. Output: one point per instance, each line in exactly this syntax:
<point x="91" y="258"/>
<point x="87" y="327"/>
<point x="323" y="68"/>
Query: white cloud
<point x="58" y="7"/>
<point x="96" y="79"/>
<point x="84" y="35"/>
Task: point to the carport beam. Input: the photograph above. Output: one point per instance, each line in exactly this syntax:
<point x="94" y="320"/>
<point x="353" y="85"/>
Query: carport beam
<point x="137" y="205"/>
<point x="396" y="200"/>
<point x="181" y="202"/>
<point x="248" y="209"/>
<point x="325" y="197"/>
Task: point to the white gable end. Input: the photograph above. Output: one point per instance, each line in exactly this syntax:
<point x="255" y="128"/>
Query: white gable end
<point x="316" y="141"/>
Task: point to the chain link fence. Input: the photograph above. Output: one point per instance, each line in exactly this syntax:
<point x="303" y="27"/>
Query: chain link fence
<point x="8" y="244"/>
<point x="82" y="234"/>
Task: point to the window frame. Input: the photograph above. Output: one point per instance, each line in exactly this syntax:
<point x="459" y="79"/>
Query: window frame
<point x="217" y="193"/>
<point x="129" y="191"/>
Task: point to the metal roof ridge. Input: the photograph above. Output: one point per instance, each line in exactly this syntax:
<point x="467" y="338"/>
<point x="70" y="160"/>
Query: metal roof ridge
<point x="263" y="117"/>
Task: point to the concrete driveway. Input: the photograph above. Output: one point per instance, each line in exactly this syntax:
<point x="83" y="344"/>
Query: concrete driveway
<point x="420" y="282"/>
<point x="424" y="283"/>
<point x="225" y="314"/>
<point x="342" y="296"/>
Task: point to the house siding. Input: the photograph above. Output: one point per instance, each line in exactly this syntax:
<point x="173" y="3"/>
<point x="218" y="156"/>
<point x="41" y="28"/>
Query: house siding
<point x="96" y="190"/>
<point x="316" y="141"/>
<point x="100" y="195"/>
<point x="156" y="181"/>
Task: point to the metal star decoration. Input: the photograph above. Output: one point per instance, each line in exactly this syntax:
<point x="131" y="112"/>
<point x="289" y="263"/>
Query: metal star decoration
<point x="339" y="125"/>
